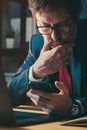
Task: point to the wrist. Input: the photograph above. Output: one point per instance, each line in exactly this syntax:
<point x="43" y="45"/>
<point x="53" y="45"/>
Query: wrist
<point x="37" y="74"/>
<point x="31" y="77"/>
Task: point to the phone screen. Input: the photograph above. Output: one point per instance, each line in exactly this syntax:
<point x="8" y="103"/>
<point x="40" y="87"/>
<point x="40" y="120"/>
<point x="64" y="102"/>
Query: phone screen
<point x="42" y="86"/>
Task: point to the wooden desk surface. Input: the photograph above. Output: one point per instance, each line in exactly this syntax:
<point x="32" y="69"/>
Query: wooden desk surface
<point x="45" y="126"/>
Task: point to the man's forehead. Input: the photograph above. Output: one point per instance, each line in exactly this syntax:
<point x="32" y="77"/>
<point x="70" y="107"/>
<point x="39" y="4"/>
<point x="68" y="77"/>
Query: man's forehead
<point x="52" y="17"/>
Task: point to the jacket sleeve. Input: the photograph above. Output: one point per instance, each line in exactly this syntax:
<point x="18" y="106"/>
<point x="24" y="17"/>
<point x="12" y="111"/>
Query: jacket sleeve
<point x="19" y="84"/>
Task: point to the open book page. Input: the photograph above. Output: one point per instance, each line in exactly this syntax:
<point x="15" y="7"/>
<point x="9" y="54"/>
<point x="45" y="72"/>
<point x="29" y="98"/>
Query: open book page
<point x="81" y="121"/>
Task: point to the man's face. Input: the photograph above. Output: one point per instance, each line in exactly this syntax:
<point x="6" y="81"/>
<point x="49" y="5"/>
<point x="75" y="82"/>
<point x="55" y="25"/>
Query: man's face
<point x="63" y="29"/>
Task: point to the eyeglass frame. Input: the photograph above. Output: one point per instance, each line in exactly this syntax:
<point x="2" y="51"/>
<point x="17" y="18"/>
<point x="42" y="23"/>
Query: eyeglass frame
<point x="54" y="28"/>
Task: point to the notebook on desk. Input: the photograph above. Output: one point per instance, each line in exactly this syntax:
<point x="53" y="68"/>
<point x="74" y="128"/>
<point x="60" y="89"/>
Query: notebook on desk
<point x="17" y="118"/>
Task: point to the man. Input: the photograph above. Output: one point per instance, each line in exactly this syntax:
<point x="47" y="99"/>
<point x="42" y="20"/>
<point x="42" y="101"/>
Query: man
<point x="55" y="56"/>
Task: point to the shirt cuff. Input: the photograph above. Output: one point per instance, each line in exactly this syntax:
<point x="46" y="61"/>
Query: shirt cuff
<point x="31" y="78"/>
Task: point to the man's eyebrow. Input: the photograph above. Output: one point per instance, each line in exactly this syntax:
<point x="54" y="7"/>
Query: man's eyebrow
<point x="64" y="22"/>
<point x="41" y="22"/>
<point x="59" y="23"/>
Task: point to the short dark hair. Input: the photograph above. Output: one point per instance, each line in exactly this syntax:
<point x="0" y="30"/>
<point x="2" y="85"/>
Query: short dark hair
<point x="73" y="7"/>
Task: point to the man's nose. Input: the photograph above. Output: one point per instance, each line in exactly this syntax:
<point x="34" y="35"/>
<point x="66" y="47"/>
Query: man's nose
<point x="54" y="35"/>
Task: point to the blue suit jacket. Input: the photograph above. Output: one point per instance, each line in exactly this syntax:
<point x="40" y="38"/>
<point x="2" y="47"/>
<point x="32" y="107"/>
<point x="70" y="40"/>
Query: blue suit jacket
<point x="20" y="82"/>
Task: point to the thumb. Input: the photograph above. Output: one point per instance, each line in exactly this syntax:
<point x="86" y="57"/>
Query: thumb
<point x="46" y="47"/>
<point x="62" y="87"/>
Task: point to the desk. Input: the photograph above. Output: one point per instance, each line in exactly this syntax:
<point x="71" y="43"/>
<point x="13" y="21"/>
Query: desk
<point x="45" y="126"/>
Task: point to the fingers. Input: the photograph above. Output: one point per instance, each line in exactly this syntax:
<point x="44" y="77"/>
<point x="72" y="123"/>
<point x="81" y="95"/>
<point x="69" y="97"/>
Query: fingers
<point x="43" y="94"/>
<point x="50" y="61"/>
<point x="62" y="50"/>
<point x="50" y="102"/>
<point x="62" y="47"/>
<point x="38" y="97"/>
<point x="33" y="97"/>
<point x="45" y="47"/>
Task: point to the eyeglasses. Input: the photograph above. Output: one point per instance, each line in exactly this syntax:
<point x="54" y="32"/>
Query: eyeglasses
<point x="59" y="28"/>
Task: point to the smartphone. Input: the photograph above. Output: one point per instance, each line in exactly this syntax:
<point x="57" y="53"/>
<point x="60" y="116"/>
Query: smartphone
<point x="42" y="86"/>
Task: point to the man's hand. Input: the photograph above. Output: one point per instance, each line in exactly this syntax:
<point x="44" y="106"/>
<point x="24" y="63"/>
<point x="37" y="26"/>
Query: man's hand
<point x="55" y="103"/>
<point x="51" y="61"/>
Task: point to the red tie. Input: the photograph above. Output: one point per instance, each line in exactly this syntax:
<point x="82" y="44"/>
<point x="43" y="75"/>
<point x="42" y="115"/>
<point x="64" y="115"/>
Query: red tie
<point x="64" y="76"/>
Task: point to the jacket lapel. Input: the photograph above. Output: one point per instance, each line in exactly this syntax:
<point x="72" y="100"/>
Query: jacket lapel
<point x="76" y="74"/>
